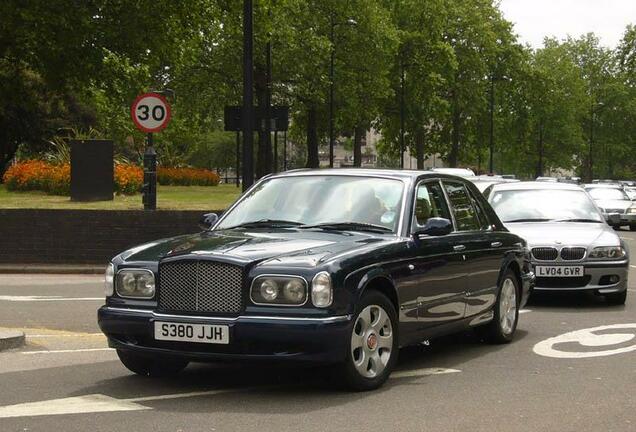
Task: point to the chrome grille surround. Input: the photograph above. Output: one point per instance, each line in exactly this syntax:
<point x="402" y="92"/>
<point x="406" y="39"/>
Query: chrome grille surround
<point x="200" y="286"/>
<point x="573" y="253"/>
<point x="545" y="253"/>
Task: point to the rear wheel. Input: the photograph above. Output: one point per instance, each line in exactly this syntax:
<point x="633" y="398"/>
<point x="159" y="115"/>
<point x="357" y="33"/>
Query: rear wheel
<point x="373" y="346"/>
<point x="150" y="366"/>
<point x="616" y="298"/>
<point x="506" y="312"/>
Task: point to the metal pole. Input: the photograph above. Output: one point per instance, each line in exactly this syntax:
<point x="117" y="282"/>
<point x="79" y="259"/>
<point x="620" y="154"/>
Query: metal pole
<point x="238" y="158"/>
<point x="247" y="116"/>
<point x="285" y="151"/>
<point x="492" y="122"/>
<point x="275" y="151"/>
<point x="591" y="166"/>
<point x="402" y="78"/>
<point x="331" y="73"/>
<point x="150" y="176"/>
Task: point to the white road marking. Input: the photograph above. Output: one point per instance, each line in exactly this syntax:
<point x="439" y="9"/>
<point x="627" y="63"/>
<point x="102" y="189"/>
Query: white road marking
<point x="66" y="351"/>
<point x="633" y="266"/>
<point x="525" y="311"/>
<point x="95" y="403"/>
<point x="423" y="372"/>
<point x="46" y="298"/>
<point x="587" y="338"/>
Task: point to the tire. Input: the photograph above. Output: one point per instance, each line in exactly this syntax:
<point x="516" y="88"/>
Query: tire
<point x="150" y="366"/>
<point x="616" y="299"/>
<point x="632" y="227"/>
<point x="499" y="331"/>
<point x="373" y="344"/>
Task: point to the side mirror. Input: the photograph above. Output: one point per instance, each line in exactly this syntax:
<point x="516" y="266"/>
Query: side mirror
<point x="436" y="227"/>
<point x="208" y="220"/>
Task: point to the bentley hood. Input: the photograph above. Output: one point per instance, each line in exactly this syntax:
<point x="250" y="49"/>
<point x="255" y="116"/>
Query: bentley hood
<point x="288" y="247"/>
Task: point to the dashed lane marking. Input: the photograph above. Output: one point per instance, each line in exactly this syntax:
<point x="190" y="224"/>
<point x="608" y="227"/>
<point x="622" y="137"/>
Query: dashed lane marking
<point x="66" y="351"/>
<point x="522" y="311"/>
<point x="46" y="298"/>
<point x="423" y="372"/>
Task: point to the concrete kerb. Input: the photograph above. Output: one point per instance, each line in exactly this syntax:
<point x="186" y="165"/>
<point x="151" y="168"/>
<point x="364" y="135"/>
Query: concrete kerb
<point x="10" y="339"/>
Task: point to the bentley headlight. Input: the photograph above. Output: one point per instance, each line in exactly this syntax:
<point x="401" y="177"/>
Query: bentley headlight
<point x="109" y="280"/>
<point x="279" y="290"/>
<point x="321" y="290"/>
<point x="607" y="252"/>
<point x="135" y="283"/>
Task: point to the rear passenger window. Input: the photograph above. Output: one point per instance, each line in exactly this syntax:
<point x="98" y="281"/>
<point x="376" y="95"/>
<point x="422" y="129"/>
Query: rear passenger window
<point x="462" y="207"/>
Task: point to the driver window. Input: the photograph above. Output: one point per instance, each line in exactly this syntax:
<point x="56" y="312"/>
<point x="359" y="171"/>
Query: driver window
<point x="429" y="203"/>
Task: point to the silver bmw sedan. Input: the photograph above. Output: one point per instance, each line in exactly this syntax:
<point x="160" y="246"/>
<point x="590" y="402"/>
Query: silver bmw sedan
<point x="572" y="246"/>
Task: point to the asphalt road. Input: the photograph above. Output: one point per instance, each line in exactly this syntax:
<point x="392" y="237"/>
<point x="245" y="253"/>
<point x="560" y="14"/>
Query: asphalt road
<point x="66" y="379"/>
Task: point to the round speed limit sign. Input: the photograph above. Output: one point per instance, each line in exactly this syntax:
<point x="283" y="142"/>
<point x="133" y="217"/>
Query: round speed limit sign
<point x="150" y="112"/>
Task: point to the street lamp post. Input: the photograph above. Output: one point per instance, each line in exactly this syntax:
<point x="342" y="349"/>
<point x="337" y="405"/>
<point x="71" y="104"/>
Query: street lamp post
<point x="332" y="138"/>
<point x="594" y="108"/>
<point x="248" y="96"/>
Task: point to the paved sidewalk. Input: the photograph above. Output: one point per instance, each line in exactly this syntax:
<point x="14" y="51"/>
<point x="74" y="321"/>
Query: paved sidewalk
<point x="52" y="268"/>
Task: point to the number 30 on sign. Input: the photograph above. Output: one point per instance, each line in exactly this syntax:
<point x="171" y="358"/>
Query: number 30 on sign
<point x="150" y="112"/>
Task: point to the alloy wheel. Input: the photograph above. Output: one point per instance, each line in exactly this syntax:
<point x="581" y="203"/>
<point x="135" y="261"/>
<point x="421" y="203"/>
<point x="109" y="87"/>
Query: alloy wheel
<point x="372" y="341"/>
<point x="508" y="306"/>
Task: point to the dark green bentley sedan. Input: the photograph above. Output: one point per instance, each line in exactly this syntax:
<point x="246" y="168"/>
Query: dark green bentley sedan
<point x="341" y="267"/>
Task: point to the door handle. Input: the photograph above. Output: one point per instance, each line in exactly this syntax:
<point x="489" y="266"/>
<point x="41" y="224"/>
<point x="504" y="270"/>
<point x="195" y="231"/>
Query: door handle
<point x="459" y="248"/>
<point x="496" y="244"/>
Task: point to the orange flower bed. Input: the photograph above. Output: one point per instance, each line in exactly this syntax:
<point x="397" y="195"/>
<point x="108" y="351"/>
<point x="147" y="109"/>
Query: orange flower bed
<point x="56" y="179"/>
<point x="187" y="177"/>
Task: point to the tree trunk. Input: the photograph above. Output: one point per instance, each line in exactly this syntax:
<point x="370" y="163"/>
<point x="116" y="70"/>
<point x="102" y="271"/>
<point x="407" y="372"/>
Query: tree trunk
<point x="453" y="156"/>
<point x="419" y="148"/>
<point x="357" y="146"/>
<point x="312" y="138"/>
<point x="540" y="152"/>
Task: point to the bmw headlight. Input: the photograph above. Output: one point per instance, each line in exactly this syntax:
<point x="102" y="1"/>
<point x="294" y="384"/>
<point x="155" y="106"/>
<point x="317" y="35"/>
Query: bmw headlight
<point x="607" y="252"/>
<point x="321" y="290"/>
<point x="109" y="280"/>
<point x="279" y="290"/>
<point x="135" y="283"/>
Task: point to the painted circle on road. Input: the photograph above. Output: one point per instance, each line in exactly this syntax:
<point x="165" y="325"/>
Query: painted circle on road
<point x="568" y="345"/>
<point x="150" y="112"/>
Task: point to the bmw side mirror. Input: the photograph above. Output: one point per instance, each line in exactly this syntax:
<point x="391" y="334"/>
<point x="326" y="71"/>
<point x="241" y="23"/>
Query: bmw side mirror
<point x="436" y="227"/>
<point x="208" y="220"/>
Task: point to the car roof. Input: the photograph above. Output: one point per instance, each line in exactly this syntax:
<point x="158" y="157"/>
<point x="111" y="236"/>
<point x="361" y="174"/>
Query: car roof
<point x="602" y="186"/>
<point x="535" y="185"/>
<point x="366" y="172"/>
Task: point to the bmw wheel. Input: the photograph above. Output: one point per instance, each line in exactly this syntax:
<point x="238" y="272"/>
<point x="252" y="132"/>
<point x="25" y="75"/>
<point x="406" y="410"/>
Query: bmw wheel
<point x="373" y="347"/>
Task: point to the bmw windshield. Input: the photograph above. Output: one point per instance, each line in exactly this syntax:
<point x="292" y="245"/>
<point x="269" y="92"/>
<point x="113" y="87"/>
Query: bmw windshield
<point x="544" y="205"/>
<point x="320" y="200"/>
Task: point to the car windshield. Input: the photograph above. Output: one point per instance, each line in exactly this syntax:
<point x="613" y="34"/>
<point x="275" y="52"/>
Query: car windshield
<point x="319" y="200"/>
<point x="607" y="194"/>
<point x="543" y="205"/>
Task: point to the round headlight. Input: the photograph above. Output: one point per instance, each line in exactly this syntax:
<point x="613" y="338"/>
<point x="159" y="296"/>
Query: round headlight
<point x="294" y="291"/>
<point x="321" y="290"/>
<point x="269" y="290"/>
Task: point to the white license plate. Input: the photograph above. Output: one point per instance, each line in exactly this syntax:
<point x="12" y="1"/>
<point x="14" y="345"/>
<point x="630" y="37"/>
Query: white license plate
<point x="559" y="271"/>
<point x="200" y="333"/>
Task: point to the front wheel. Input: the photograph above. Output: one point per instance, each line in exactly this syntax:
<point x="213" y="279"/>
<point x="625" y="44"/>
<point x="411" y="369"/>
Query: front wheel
<point x="632" y="227"/>
<point x="373" y="346"/>
<point x="150" y="366"/>
<point x="506" y="312"/>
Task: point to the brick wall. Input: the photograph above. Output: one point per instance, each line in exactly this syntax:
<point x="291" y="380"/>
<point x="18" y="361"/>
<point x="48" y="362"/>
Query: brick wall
<point x="84" y="236"/>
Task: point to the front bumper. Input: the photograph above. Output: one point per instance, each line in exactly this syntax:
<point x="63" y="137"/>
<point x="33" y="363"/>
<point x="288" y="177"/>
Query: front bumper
<point x="319" y="340"/>
<point x="595" y="277"/>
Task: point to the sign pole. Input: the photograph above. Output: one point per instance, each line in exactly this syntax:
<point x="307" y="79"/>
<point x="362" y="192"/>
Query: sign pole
<point x="238" y="158"/>
<point x="247" y="117"/>
<point x="150" y="176"/>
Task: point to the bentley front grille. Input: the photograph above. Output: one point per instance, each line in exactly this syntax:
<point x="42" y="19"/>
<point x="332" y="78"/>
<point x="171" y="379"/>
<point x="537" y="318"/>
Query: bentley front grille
<point x="572" y="253"/>
<point x="200" y="286"/>
<point x="545" y="253"/>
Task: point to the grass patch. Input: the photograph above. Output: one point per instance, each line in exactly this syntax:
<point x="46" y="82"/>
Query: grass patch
<point x="168" y="198"/>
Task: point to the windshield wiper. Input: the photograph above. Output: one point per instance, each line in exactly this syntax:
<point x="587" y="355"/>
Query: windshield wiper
<point x="265" y="223"/>
<point x="529" y="220"/>
<point x="349" y="226"/>
<point x="578" y="220"/>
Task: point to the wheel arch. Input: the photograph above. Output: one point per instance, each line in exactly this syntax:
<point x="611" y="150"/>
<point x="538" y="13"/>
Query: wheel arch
<point x="378" y="280"/>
